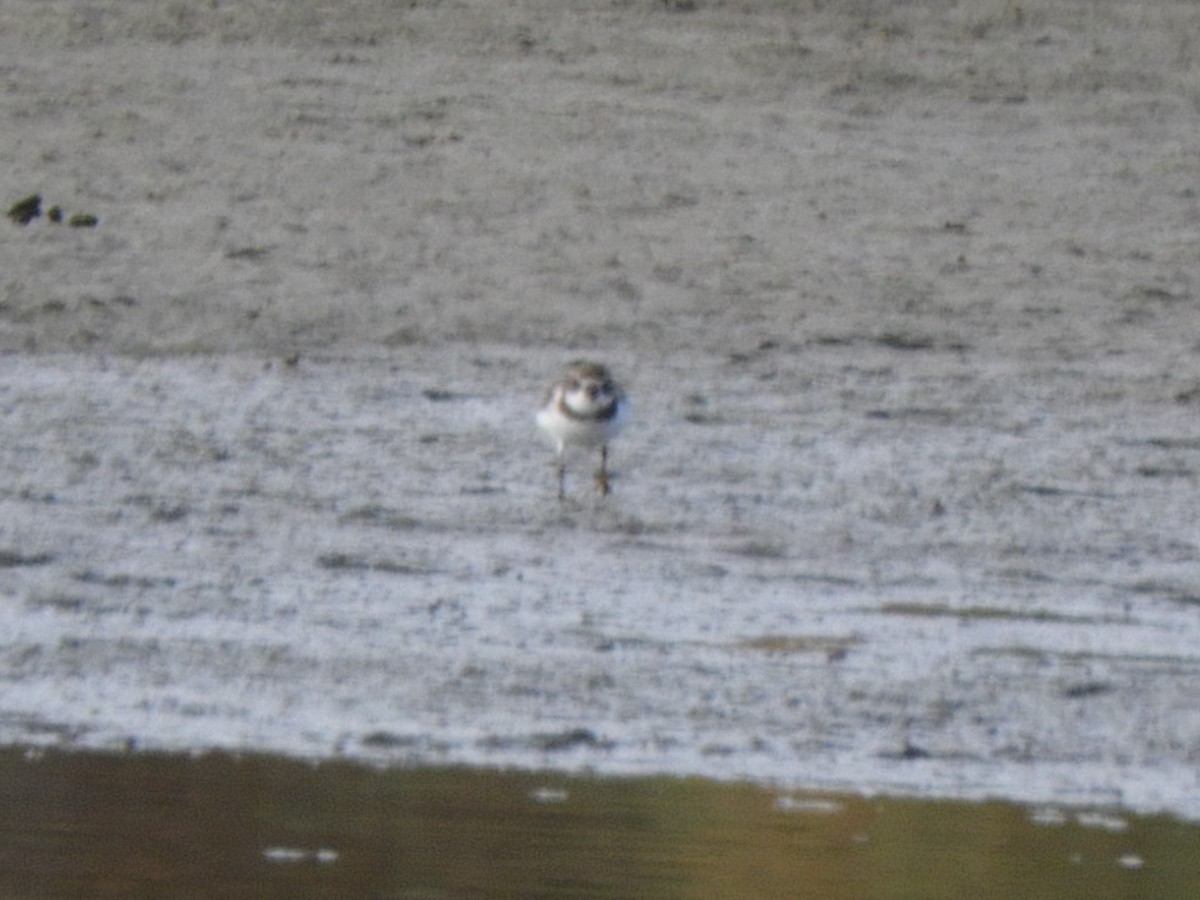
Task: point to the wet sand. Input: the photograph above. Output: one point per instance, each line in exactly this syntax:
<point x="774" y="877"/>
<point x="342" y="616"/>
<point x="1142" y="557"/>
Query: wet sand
<point x="904" y="296"/>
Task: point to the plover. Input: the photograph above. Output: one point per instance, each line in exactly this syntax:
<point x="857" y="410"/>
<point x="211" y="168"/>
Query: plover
<point x="584" y="409"/>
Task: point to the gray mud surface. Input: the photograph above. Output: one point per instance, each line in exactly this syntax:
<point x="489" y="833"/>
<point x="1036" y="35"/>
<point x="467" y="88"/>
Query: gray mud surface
<point x="905" y="295"/>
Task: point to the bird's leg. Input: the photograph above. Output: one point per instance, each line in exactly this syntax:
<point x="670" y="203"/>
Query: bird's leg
<point x="602" y="475"/>
<point x="562" y="475"/>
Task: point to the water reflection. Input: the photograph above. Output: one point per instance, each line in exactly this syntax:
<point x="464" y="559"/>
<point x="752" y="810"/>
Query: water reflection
<point x="131" y="826"/>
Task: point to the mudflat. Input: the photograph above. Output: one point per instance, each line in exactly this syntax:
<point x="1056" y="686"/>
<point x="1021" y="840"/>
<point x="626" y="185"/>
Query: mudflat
<point x="905" y="298"/>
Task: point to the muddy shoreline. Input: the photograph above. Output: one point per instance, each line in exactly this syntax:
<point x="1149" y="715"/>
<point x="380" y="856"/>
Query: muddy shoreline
<point x="905" y="298"/>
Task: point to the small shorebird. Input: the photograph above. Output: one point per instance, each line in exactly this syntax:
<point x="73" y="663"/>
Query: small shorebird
<point x="584" y="409"/>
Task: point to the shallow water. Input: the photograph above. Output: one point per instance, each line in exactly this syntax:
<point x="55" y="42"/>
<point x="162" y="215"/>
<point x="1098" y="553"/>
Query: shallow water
<point x="96" y="825"/>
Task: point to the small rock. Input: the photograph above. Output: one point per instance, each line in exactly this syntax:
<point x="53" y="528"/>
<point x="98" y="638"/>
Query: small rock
<point x="25" y="211"/>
